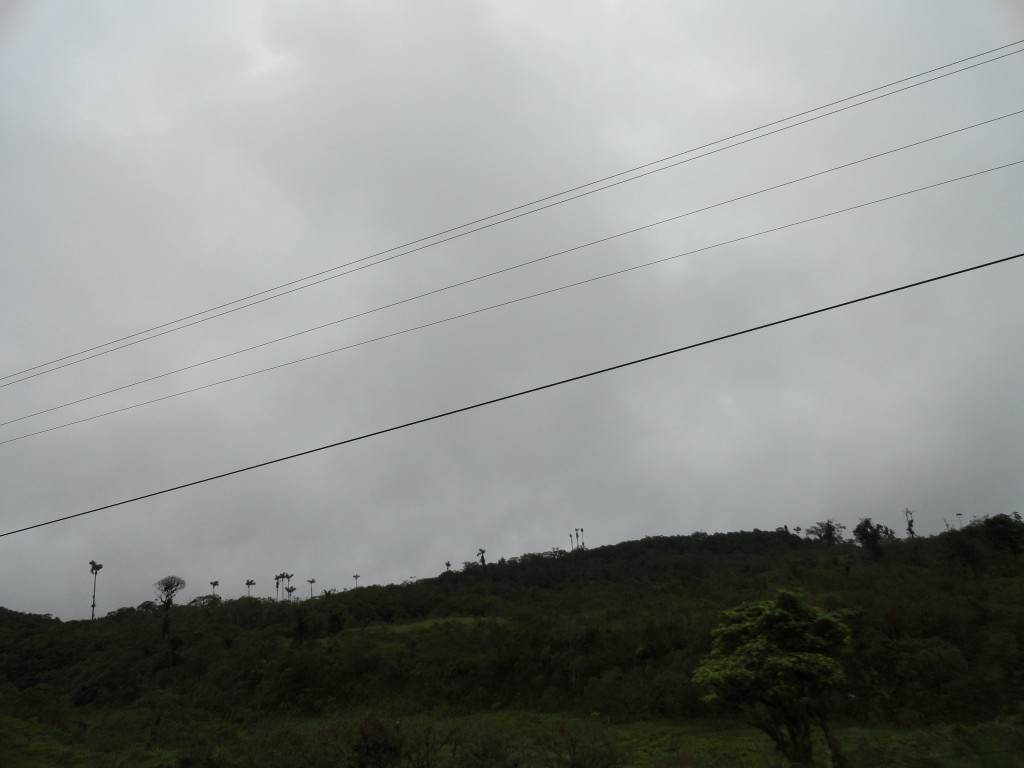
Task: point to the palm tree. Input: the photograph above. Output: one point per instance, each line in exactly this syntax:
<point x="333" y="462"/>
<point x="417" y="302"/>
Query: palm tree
<point x="282" y="576"/>
<point x="289" y="589"/>
<point x="311" y="583"/>
<point x="214" y="584"/>
<point x="480" y="554"/>
<point x="94" y="568"/>
<point x="447" y="565"/>
<point x="249" y="584"/>
<point x="356" y="577"/>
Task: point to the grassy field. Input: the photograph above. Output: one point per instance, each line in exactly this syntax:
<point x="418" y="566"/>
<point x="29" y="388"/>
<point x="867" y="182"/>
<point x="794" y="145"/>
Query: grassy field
<point x="506" y="738"/>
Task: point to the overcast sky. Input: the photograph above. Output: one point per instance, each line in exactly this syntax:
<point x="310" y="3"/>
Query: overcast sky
<point x="160" y="159"/>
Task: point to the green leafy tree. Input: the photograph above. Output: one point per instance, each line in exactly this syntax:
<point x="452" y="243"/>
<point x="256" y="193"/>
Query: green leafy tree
<point x="772" y="661"/>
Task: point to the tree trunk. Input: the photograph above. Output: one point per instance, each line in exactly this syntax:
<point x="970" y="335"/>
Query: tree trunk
<point x="838" y="758"/>
<point x="790" y="732"/>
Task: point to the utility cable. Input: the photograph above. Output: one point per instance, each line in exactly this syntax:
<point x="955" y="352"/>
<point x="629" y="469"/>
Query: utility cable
<point x="520" y="393"/>
<point x="502" y="213"/>
<point x="500" y="271"/>
<point x="505" y="304"/>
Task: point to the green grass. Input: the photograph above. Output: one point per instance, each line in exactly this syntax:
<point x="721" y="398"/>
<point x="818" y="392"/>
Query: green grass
<point x="30" y="744"/>
<point x="133" y="737"/>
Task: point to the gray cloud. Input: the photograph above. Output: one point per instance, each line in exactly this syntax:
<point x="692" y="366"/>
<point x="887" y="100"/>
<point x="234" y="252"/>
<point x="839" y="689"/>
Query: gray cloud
<point x="159" y="161"/>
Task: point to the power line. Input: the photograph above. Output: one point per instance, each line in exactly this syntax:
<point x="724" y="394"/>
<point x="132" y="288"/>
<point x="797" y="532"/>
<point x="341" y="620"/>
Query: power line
<point x="502" y="213"/>
<point x="520" y="393"/>
<point x="492" y="274"/>
<point x="505" y="303"/>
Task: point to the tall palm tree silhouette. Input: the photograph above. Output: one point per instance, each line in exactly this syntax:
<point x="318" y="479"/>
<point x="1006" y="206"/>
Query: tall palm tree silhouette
<point x="94" y="568"/>
<point x="289" y="589"/>
<point x="356" y="577"/>
<point x="249" y="584"/>
<point x="480" y="554"/>
<point x="311" y="583"/>
<point x="214" y="584"/>
<point x="282" y="576"/>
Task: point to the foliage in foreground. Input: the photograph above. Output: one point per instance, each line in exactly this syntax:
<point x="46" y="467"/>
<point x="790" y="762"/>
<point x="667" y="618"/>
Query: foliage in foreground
<point x="773" y="661"/>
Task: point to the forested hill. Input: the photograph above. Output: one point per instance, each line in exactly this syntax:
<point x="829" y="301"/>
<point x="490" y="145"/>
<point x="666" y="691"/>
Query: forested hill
<point x="937" y="627"/>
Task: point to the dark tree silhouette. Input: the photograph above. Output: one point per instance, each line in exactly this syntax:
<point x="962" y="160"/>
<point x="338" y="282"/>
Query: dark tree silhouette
<point x="872" y="537"/>
<point x="909" y="514"/>
<point x="166" y="589"/>
<point x="828" y="531"/>
<point x="94" y="569"/>
<point x="289" y="589"/>
<point x="356" y="577"/>
<point x="447" y="565"/>
<point x="311" y="583"/>
<point x="277" y="583"/>
<point x="1004" y="533"/>
<point x="480" y="554"/>
<point x="249" y="584"/>
<point x="214" y="585"/>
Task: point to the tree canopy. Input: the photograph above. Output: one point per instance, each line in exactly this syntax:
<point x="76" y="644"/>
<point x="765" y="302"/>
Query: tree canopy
<point x="168" y="587"/>
<point x="772" y="660"/>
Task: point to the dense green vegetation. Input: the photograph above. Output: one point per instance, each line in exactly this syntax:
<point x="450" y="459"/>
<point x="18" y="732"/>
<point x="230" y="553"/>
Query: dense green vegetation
<point x="582" y="658"/>
<point x="775" y="661"/>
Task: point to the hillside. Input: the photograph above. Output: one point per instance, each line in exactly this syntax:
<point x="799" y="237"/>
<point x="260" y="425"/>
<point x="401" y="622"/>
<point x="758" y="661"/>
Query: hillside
<point x="606" y="638"/>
